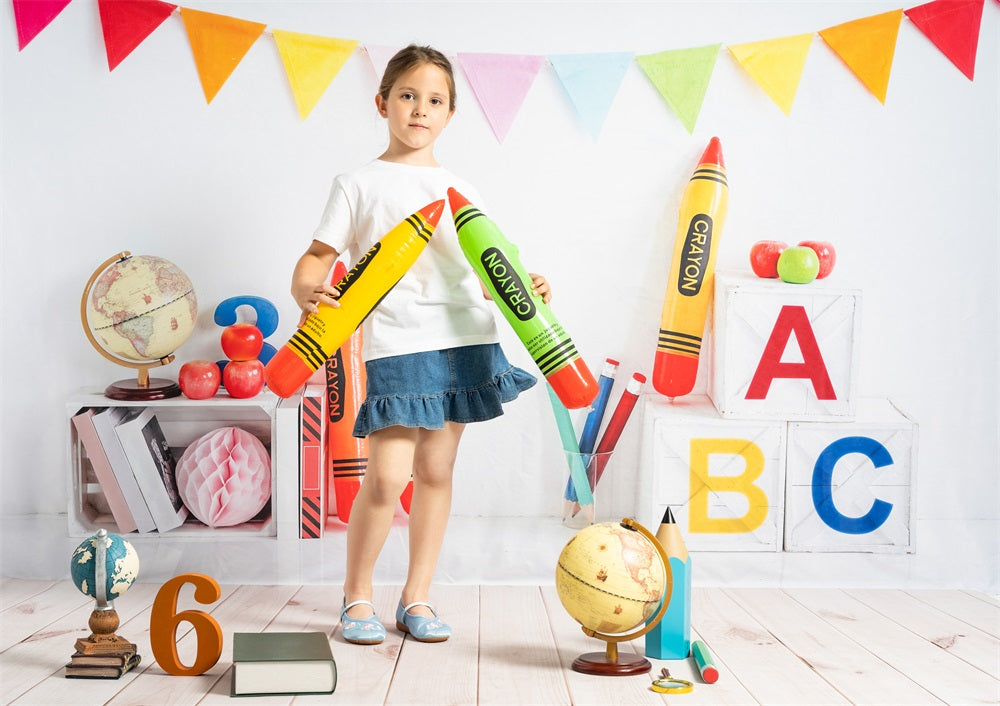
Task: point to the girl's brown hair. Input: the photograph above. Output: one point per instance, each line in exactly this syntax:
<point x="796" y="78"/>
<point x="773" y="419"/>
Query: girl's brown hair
<point x="413" y="55"/>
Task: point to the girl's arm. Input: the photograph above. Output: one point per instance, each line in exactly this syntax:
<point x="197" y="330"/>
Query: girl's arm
<point x="539" y="287"/>
<point x="309" y="286"/>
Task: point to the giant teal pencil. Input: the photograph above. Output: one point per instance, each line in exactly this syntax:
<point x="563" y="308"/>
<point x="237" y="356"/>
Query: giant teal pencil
<point x="671" y="638"/>
<point x="495" y="259"/>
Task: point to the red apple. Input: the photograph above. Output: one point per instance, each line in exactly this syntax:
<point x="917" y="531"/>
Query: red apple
<point x="826" y="254"/>
<point x="242" y="341"/>
<point x="243" y="378"/>
<point x="199" y="379"/>
<point x="764" y="257"/>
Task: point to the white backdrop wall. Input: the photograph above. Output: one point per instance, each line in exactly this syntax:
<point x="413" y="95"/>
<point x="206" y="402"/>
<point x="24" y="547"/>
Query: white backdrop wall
<point x="96" y="162"/>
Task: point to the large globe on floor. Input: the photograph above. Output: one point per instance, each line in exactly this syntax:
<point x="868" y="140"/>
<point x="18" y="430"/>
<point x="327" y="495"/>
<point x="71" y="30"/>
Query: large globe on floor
<point x="609" y="578"/>
<point x="121" y="565"/>
<point x="142" y="308"/>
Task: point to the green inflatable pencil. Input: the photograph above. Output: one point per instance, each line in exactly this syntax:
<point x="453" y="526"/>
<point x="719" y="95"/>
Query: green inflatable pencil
<point x="495" y="260"/>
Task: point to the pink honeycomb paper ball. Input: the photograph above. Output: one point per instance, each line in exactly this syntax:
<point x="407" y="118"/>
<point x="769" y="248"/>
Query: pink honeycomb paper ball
<point x="224" y="477"/>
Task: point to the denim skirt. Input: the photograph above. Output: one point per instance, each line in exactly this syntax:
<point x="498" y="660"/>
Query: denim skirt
<point x="465" y="384"/>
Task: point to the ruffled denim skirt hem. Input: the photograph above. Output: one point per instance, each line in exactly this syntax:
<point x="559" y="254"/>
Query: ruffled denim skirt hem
<point x="424" y="390"/>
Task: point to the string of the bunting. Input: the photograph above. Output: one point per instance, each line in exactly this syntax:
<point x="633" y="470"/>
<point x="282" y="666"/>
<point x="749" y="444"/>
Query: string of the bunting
<point x="501" y="82"/>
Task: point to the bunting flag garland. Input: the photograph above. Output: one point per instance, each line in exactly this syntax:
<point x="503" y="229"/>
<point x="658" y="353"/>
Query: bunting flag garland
<point x="219" y="44"/>
<point x="953" y="27"/>
<point x="867" y="46"/>
<point x="775" y="65"/>
<point x="127" y="23"/>
<point x="311" y="62"/>
<point x="32" y="16"/>
<point x="681" y="76"/>
<point x="500" y="83"/>
<point x="592" y="82"/>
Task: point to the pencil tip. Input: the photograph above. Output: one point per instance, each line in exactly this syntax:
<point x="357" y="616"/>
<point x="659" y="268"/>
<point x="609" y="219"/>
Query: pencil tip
<point x="668" y="518"/>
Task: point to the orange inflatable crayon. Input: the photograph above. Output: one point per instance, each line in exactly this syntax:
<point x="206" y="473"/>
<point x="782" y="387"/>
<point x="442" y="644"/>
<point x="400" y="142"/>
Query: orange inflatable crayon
<point x="692" y="275"/>
<point x="495" y="260"/>
<point x="361" y="290"/>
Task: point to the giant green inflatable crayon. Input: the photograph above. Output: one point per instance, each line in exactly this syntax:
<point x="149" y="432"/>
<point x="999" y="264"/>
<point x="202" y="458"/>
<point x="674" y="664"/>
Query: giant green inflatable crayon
<point x="495" y="260"/>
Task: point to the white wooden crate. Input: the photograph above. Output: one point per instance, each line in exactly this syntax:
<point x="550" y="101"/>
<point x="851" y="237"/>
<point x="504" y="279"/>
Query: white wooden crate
<point x="691" y="454"/>
<point x="752" y="380"/>
<point x="859" y="498"/>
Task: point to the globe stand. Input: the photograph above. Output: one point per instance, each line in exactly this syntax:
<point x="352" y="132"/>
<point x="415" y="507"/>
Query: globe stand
<point x="142" y="389"/>
<point x="610" y="662"/>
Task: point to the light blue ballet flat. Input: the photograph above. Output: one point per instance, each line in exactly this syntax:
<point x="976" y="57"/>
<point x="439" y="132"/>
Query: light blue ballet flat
<point x="361" y="631"/>
<point x="420" y="628"/>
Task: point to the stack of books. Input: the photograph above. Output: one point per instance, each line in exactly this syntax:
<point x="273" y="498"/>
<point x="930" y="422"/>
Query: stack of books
<point x="102" y="666"/>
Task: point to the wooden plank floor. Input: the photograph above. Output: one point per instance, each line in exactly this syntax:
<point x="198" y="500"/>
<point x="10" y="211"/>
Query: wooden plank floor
<point x="515" y="644"/>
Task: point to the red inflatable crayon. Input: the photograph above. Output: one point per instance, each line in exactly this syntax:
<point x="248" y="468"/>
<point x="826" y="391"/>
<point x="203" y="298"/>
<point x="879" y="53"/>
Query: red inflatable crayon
<point x="495" y="259"/>
<point x="361" y="290"/>
<point x="692" y="275"/>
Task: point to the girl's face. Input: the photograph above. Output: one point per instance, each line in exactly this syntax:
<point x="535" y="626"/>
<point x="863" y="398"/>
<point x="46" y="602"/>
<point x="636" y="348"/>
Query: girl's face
<point x="417" y="110"/>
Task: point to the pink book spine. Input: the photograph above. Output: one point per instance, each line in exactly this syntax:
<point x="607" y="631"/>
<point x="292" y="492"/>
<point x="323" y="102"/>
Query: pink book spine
<point x="84" y="424"/>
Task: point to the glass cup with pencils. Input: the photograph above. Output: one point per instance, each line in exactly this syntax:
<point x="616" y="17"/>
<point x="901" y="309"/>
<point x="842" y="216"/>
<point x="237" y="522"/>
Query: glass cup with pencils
<point x="580" y="508"/>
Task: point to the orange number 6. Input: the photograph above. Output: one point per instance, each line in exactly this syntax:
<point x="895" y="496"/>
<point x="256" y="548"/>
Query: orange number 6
<point x="164" y="619"/>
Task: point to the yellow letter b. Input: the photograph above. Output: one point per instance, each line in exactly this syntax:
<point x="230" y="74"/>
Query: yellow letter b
<point x="703" y="484"/>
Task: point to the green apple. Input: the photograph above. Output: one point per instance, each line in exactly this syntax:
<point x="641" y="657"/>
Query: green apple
<point x="798" y="265"/>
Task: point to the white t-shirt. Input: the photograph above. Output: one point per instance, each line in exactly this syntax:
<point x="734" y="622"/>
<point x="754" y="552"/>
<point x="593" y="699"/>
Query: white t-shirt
<point x="438" y="303"/>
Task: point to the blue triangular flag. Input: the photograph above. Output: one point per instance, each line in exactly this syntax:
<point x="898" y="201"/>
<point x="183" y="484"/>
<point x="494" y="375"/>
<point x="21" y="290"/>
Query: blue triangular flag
<point x="592" y="81"/>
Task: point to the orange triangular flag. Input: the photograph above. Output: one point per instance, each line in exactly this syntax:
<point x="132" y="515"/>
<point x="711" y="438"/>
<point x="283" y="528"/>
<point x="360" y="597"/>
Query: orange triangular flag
<point x="311" y="63"/>
<point x="953" y="26"/>
<point x="219" y="44"/>
<point x="776" y="65"/>
<point x="867" y="46"/>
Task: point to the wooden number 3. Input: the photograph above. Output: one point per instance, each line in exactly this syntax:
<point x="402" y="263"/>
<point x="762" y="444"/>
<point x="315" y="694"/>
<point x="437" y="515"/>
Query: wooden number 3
<point x="164" y="619"/>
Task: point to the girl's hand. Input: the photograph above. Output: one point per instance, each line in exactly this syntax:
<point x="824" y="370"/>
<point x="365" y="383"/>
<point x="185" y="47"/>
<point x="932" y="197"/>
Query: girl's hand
<point x="540" y="287"/>
<point x="310" y="299"/>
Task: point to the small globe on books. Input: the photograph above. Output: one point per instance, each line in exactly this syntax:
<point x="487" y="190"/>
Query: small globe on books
<point x="136" y="311"/>
<point x="121" y="566"/>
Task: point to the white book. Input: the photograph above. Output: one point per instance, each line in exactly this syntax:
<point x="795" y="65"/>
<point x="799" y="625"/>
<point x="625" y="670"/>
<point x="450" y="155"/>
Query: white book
<point x="105" y="423"/>
<point x="153" y="465"/>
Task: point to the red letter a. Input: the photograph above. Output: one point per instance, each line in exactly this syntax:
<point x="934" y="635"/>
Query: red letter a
<point x="791" y="318"/>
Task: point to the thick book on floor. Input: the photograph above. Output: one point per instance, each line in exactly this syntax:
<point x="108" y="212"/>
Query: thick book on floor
<point x="153" y="465"/>
<point x="282" y="663"/>
<point x="84" y="424"/>
<point x="105" y="423"/>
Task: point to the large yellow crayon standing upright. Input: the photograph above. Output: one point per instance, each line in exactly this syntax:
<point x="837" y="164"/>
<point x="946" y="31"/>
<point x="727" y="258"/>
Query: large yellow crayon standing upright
<point x="692" y="275"/>
<point x="361" y="290"/>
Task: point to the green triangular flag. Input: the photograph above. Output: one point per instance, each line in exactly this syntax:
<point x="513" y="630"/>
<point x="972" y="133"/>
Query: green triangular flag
<point x="681" y="76"/>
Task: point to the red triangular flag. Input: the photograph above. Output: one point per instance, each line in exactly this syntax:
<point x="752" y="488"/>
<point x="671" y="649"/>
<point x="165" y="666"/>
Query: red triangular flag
<point x="32" y="16"/>
<point x="953" y="26"/>
<point x="126" y="23"/>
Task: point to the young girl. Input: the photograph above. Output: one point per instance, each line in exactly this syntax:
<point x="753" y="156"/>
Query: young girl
<point x="430" y="347"/>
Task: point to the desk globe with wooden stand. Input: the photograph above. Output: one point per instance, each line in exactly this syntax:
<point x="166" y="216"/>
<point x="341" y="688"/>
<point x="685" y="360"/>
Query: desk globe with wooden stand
<point x="136" y="311"/>
<point x="585" y="585"/>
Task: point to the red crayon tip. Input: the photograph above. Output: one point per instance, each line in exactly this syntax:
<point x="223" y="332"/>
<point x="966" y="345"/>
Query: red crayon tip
<point x="456" y="201"/>
<point x="612" y="361"/>
<point x="710" y="675"/>
<point x="674" y="375"/>
<point x="639" y="376"/>
<point x="432" y="212"/>
<point x="713" y="153"/>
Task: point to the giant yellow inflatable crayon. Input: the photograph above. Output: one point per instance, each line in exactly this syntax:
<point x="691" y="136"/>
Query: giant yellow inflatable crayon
<point x="495" y="260"/>
<point x="692" y="275"/>
<point x="361" y="290"/>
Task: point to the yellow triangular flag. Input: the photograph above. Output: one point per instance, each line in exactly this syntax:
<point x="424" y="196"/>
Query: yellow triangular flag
<point x="867" y="46"/>
<point x="311" y="62"/>
<point x="219" y="44"/>
<point x="776" y="65"/>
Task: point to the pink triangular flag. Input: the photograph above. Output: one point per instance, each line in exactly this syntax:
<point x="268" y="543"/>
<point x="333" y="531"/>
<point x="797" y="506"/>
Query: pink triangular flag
<point x="500" y="82"/>
<point x="953" y="27"/>
<point x="127" y="23"/>
<point x="379" y="55"/>
<point x="32" y="16"/>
